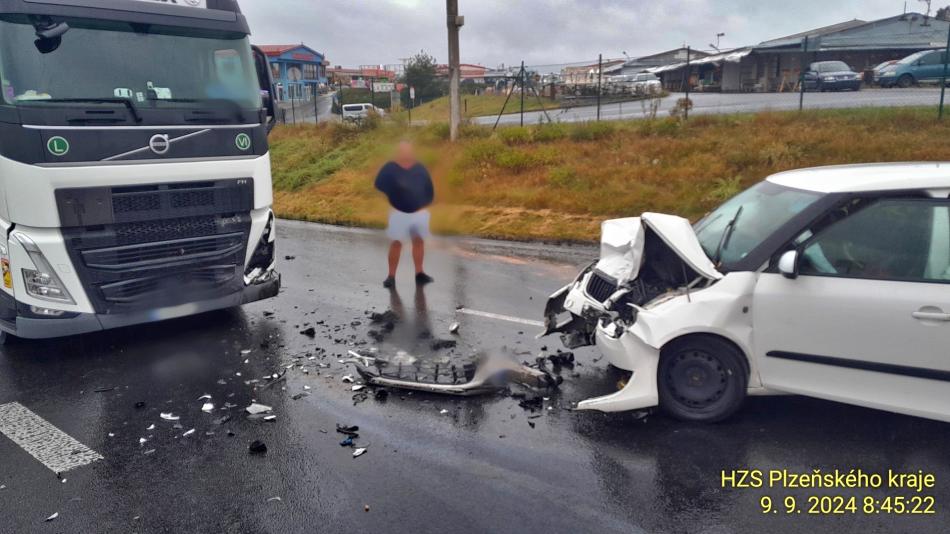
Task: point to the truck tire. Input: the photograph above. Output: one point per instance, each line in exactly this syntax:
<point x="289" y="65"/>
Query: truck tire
<point x="905" y="81"/>
<point x="702" y="378"/>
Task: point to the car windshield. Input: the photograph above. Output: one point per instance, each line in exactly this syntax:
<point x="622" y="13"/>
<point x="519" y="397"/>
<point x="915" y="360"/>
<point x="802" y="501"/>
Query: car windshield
<point x="150" y="65"/>
<point x="833" y="66"/>
<point x="913" y="57"/>
<point x="761" y="210"/>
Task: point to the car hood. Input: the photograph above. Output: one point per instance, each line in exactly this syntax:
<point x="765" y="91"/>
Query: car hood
<point x="623" y="242"/>
<point x="838" y="73"/>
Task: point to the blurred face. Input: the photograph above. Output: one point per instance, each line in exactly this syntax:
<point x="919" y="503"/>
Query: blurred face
<point x="405" y="153"/>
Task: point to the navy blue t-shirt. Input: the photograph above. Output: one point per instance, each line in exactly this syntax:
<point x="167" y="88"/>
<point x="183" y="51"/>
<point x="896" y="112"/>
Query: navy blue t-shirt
<point x="409" y="190"/>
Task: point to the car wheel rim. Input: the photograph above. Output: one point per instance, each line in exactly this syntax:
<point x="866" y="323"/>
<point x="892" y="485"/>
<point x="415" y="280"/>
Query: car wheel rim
<point x="697" y="379"/>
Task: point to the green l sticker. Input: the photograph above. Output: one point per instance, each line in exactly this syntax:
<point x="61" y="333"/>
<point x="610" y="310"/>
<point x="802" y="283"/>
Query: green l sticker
<point x="57" y="146"/>
<point x="243" y="141"/>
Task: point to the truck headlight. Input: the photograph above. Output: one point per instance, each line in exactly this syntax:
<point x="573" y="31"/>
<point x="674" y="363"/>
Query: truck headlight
<point x="260" y="268"/>
<point x="41" y="281"/>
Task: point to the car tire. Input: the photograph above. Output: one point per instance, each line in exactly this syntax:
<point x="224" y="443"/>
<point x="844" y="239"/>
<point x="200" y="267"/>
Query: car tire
<point x="702" y="379"/>
<point x="905" y="81"/>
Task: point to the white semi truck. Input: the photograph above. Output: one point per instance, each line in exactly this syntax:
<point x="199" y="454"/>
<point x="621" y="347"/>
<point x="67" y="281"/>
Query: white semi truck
<point x="135" y="178"/>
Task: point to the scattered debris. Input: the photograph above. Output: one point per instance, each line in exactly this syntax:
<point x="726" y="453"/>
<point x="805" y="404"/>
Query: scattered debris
<point x="139" y="405"/>
<point x="358" y="387"/>
<point x="290" y="258"/>
<point x="207" y="407"/>
<point x="142" y="441"/>
<point x="274" y="499"/>
<point x="300" y="395"/>
<point x="348" y="442"/>
<point x="255" y="409"/>
<point x="365" y="507"/>
<point x="257" y="447"/>
<point x="454" y="328"/>
<point x="52" y="517"/>
<point x="359" y="452"/>
<point x="309" y="332"/>
<point x="348" y="379"/>
<point x="148" y="452"/>
<point x="222" y="420"/>
<point x="532" y="403"/>
<point x="105" y="390"/>
<point x="169" y="417"/>
<point x="562" y="359"/>
<point x="205" y="397"/>
<point x="443" y="412"/>
<point x="270" y="418"/>
<point x="151" y="427"/>
<point x="381" y="394"/>
<point x="188" y="433"/>
<point x="441" y="344"/>
<point x="348" y="430"/>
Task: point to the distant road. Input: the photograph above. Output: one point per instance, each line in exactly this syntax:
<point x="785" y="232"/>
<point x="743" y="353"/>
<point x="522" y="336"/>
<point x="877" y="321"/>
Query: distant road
<point x="301" y="111"/>
<point x="722" y="103"/>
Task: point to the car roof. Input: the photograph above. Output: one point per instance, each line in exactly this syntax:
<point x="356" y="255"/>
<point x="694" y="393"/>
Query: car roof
<point x="867" y="177"/>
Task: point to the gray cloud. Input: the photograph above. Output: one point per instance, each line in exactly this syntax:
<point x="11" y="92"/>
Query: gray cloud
<point x="355" y="32"/>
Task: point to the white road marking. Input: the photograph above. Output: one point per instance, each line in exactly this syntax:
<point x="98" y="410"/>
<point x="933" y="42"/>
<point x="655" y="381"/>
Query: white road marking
<point x="499" y="317"/>
<point x="54" y="448"/>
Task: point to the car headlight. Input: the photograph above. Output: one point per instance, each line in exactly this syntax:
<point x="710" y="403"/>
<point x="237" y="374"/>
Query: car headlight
<point x="41" y="282"/>
<point x="888" y="74"/>
<point x="828" y="78"/>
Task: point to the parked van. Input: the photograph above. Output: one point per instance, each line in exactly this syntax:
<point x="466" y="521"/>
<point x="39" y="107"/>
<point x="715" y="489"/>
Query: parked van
<point x="358" y="112"/>
<point x="922" y="67"/>
<point x="831" y="282"/>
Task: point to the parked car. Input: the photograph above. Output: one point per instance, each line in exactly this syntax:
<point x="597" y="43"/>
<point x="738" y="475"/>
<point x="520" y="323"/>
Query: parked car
<point x="358" y="112"/>
<point x="831" y="76"/>
<point x="922" y="67"/>
<point x="647" y="83"/>
<point x="831" y="282"/>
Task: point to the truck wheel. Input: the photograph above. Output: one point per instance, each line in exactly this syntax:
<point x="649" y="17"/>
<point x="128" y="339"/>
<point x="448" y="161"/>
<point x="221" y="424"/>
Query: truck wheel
<point x="905" y="81"/>
<point x="702" y="378"/>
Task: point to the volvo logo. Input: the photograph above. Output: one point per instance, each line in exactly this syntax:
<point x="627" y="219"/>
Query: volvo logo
<point x="159" y="144"/>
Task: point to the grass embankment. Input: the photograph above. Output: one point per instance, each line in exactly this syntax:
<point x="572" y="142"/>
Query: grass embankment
<point x="479" y="106"/>
<point x="558" y="182"/>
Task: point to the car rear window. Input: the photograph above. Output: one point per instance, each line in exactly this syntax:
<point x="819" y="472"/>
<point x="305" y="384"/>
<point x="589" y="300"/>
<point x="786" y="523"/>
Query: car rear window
<point x="357" y="107"/>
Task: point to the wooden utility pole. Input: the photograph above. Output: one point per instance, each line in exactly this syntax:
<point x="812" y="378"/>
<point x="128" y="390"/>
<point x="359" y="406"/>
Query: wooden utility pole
<point x="454" y="22"/>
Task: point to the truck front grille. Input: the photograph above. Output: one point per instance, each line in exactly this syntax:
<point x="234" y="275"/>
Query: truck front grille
<point x="153" y="246"/>
<point x="600" y="286"/>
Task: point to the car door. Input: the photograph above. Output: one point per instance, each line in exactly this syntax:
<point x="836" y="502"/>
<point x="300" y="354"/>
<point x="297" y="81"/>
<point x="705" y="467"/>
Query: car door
<point x="931" y="67"/>
<point x="867" y="318"/>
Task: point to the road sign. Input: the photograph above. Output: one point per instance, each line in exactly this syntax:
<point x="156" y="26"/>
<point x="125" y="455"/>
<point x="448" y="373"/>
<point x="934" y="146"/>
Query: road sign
<point x="384" y="87"/>
<point x="412" y="93"/>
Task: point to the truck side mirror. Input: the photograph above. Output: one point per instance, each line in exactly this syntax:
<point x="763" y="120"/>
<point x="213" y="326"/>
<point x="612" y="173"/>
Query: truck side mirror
<point x="266" y="84"/>
<point x="788" y="264"/>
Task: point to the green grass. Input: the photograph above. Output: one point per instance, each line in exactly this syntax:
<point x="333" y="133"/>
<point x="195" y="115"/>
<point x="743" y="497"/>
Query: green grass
<point x="558" y="182"/>
<point x="478" y="106"/>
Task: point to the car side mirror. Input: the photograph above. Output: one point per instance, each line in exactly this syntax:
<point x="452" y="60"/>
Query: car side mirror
<point x="788" y="264"/>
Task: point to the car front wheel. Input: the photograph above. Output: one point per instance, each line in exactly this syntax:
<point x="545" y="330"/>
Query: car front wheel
<point x="702" y="378"/>
<point x="905" y="81"/>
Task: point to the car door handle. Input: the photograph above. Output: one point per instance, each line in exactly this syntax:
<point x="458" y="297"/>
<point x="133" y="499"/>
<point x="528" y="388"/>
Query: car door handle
<point x="931" y="316"/>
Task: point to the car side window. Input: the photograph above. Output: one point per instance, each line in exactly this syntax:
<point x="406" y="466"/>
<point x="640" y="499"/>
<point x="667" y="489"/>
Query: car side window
<point x="894" y="239"/>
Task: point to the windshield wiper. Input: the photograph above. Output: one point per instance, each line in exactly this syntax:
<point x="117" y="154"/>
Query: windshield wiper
<point x="726" y="236"/>
<point x="238" y="111"/>
<point x="127" y="102"/>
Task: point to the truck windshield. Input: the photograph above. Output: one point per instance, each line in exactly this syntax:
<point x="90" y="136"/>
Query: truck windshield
<point x="152" y="66"/>
<point x="743" y="223"/>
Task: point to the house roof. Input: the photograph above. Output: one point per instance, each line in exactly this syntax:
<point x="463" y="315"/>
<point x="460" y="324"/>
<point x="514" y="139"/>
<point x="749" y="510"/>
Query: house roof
<point x="796" y="38"/>
<point x="279" y="50"/>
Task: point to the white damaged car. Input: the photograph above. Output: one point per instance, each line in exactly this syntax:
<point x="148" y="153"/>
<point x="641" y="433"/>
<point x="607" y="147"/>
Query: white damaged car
<point x="831" y="282"/>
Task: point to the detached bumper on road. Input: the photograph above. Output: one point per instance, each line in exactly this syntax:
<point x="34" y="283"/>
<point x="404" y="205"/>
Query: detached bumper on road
<point x="630" y="353"/>
<point x="82" y="323"/>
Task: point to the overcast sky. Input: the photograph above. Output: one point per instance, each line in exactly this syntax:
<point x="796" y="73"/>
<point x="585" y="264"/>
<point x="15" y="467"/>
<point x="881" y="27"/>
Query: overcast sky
<point x="363" y="32"/>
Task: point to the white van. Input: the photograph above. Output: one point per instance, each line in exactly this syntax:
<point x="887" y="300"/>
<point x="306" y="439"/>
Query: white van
<point x="358" y="112"/>
<point x="830" y="282"/>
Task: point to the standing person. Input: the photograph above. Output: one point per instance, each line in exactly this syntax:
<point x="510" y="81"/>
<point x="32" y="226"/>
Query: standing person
<point x="408" y="186"/>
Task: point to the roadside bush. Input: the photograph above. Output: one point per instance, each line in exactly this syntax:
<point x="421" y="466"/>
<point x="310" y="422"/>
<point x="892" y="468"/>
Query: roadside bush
<point x="514" y="135"/>
<point x="474" y="131"/>
<point x="483" y="151"/>
<point x="547" y="133"/>
<point x="565" y="177"/>
<point x="436" y="131"/>
<point x="515" y="161"/>
<point x="592" y="131"/>
<point x="725" y="188"/>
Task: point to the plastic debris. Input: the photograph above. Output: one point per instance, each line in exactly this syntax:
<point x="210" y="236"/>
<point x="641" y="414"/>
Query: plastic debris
<point x="348" y="442"/>
<point x="270" y="418"/>
<point x="348" y="430"/>
<point x="151" y="427"/>
<point x="358" y="387"/>
<point x="441" y="344"/>
<point x="139" y="405"/>
<point x="306" y="388"/>
<point x="246" y="351"/>
<point x="348" y="379"/>
<point x="300" y="395"/>
<point x="309" y="332"/>
<point x="142" y="441"/>
<point x="274" y="499"/>
<point x="365" y="507"/>
<point x="205" y="397"/>
<point x="207" y="408"/>
<point x="454" y="328"/>
<point x="359" y="452"/>
<point x="105" y="390"/>
<point x="443" y="412"/>
<point x="169" y="417"/>
<point x="52" y="517"/>
<point x="257" y="447"/>
<point x="188" y="433"/>
<point x="255" y="409"/>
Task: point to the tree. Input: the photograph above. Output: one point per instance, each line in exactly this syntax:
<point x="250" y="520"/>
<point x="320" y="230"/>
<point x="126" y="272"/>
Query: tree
<point x="943" y="13"/>
<point x="421" y="73"/>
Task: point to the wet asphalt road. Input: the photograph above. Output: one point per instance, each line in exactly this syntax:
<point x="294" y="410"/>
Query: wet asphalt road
<point x="726" y="103"/>
<point x="480" y="467"/>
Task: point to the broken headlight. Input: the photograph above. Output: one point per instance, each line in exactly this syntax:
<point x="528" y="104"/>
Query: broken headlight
<point x="41" y="281"/>
<point x="262" y="260"/>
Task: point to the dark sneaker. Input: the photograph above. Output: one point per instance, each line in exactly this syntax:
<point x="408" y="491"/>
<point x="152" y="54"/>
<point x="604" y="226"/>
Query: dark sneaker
<point x="389" y="283"/>
<point x="423" y="279"/>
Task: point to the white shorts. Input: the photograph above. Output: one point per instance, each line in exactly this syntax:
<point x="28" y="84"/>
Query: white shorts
<point x="405" y="226"/>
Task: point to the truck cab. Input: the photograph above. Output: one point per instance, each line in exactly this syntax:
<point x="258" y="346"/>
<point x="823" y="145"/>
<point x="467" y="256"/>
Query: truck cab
<point x="135" y="180"/>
